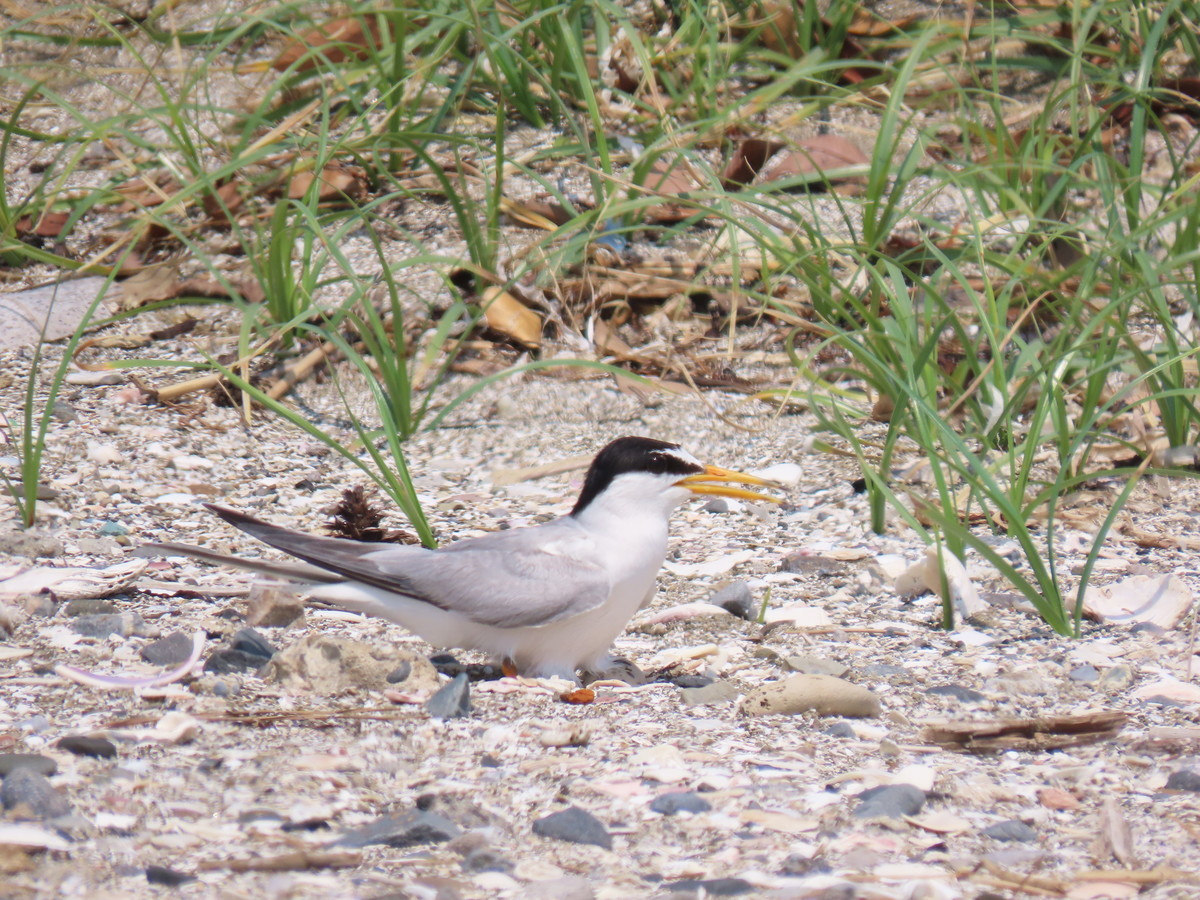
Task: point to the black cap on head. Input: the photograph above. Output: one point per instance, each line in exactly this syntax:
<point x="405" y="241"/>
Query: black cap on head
<point x="633" y="454"/>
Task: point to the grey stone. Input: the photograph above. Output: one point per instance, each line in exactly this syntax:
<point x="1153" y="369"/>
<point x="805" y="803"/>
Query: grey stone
<point x="228" y="661"/>
<point x="889" y="801"/>
<point x="1011" y="830"/>
<point x="717" y="692"/>
<point x="406" y="830"/>
<point x="101" y="626"/>
<point x="171" y="650"/>
<point x="574" y="825"/>
<point x="679" y="801"/>
<point x="956" y="692"/>
<point x="26" y="788"/>
<point x="81" y="745"/>
<point x="10" y="762"/>
<point x="453" y="700"/>
<point x="1184" y="780"/>
<point x="841" y="730"/>
<point x="691" y="681"/>
<point x="736" y="598"/>
<point x="717" y="505"/>
<point x="247" y="640"/>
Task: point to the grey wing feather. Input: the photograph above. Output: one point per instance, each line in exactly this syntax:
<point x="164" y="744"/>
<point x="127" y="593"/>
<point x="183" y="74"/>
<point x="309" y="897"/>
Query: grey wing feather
<point x="504" y="588"/>
<point x="495" y="580"/>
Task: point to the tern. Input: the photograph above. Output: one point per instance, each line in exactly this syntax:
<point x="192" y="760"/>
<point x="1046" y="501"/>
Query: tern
<point x="549" y="598"/>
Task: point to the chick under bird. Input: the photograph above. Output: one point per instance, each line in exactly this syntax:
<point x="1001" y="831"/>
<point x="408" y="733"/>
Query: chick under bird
<point x="550" y="598"/>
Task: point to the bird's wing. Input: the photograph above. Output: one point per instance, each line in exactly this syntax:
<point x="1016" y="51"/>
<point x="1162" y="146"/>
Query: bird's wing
<point x="503" y="580"/>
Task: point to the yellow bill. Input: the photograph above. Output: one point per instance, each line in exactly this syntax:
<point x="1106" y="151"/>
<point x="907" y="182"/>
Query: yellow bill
<point x="715" y="480"/>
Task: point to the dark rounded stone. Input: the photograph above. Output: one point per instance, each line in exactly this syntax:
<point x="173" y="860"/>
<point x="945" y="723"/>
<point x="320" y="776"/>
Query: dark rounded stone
<point x="840" y="730"/>
<point x="1184" y="780"/>
<point x="81" y="745"/>
<point x="890" y="801"/>
<point x="172" y="650"/>
<point x="736" y="599"/>
<point x="228" y="662"/>
<point x="27" y="788"/>
<point x="249" y="641"/>
<point x="574" y="825"/>
<point x="167" y="877"/>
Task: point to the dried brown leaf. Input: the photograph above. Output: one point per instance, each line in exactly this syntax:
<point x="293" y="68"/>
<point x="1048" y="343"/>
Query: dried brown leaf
<point x="338" y="184"/>
<point x="509" y="316"/>
<point x="670" y="178"/>
<point x="337" y="40"/>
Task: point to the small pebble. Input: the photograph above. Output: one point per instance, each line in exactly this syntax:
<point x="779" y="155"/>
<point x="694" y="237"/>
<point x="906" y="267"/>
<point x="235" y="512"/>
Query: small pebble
<point x="167" y="877"/>
<point x="453" y="700"/>
<point x="228" y="662"/>
<point x="841" y="730"/>
<point x="81" y="745"/>
<point x="716" y="505"/>
<point x="574" y="825"/>
<point x="736" y="599"/>
<point x="247" y="640"/>
<point x="890" y="801"/>
<point x="171" y="650"/>
<point x="679" y="801"/>
<point x="1012" y="830"/>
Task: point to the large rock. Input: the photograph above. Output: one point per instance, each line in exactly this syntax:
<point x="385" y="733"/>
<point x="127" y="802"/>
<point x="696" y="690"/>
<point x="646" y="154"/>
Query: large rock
<point x="822" y="694"/>
<point x="325" y="664"/>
